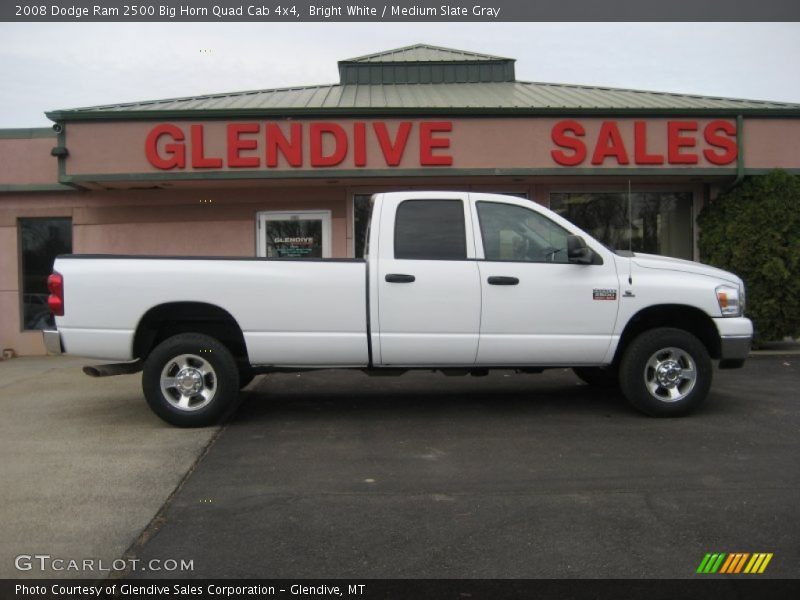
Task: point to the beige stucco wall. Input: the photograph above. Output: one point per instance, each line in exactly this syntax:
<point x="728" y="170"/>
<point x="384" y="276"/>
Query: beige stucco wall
<point x="772" y="143"/>
<point x="28" y="161"/>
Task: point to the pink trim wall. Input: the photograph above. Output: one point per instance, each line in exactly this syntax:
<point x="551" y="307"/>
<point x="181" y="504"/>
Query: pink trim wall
<point x="28" y="161"/>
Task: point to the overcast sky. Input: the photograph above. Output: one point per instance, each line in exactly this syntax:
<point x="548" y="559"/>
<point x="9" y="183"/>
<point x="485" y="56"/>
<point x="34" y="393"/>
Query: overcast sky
<point x="52" y="65"/>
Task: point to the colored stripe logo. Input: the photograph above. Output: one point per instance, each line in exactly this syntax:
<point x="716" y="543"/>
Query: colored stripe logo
<point x="736" y="562"/>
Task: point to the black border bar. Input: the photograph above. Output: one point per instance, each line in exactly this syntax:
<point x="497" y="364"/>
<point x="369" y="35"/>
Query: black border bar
<point x="445" y="11"/>
<point x="696" y="588"/>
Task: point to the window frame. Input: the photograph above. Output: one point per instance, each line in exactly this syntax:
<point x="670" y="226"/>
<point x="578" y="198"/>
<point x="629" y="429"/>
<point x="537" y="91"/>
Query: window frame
<point x="467" y="229"/>
<point x="481" y="247"/>
<point x="695" y="199"/>
<point x="21" y="291"/>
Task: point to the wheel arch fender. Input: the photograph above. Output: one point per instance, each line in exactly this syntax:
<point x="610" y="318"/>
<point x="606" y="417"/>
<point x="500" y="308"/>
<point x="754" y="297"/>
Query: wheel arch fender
<point x="171" y="318"/>
<point x="680" y="316"/>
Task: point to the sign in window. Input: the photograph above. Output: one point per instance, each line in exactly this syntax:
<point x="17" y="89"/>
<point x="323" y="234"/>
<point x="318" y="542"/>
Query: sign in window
<point x="303" y="234"/>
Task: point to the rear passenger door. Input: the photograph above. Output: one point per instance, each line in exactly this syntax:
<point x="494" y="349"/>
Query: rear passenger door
<point x="429" y="298"/>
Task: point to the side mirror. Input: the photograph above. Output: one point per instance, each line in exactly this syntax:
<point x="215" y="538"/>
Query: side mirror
<point x="577" y="250"/>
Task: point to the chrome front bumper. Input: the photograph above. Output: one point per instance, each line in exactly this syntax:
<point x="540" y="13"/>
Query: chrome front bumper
<point x="52" y="341"/>
<point x="735" y="347"/>
<point x="735" y="338"/>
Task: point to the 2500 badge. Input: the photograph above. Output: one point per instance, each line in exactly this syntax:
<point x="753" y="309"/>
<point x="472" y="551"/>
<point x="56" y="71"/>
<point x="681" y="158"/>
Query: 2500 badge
<point x="604" y="294"/>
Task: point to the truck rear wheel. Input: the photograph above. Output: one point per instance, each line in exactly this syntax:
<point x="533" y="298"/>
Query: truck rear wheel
<point x="190" y="380"/>
<point x="666" y="372"/>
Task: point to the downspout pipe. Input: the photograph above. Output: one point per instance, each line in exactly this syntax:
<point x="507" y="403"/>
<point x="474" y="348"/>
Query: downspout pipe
<point x="739" y="153"/>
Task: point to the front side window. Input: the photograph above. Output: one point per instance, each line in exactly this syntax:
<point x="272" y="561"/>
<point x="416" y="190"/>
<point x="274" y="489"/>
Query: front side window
<point x="41" y="240"/>
<point x="430" y="230"/>
<point x="516" y="233"/>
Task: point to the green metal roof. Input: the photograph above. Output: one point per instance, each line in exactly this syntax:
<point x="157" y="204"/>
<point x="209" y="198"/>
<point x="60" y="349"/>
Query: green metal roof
<point x="422" y="63"/>
<point x="423" y="80"/>
<point x="423" y="53"/>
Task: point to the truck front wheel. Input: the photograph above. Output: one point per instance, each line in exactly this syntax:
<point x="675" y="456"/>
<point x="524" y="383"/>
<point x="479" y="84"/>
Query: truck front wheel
<point x="665" y="372"/>
<point x="190" y="380"/>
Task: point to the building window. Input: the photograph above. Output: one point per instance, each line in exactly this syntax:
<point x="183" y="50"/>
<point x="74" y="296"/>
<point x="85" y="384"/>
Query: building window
<point x="430" y="230"/>
<point x="660" y="222"/>
<point x="41" y="240"/>
<point x="361" y="210"/>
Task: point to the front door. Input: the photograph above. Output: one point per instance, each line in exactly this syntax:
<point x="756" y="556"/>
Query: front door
<point x="294" y="234"/>
<point x="538" y="307"/>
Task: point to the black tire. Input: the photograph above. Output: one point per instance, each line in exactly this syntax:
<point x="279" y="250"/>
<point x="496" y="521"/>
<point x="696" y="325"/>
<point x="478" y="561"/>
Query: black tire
<point x="656" y="372"/>
<point x="601" y="377"/>
<point x="208" y="385"/>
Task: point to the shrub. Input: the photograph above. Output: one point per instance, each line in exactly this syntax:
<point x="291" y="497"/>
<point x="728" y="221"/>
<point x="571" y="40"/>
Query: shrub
<point x="753" y="230"/>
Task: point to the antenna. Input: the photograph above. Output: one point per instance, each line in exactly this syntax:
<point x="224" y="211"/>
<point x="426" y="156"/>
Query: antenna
<point x="630" y="233"/>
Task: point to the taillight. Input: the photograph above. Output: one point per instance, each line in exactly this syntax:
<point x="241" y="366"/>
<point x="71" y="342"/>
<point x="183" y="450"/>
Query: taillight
<point x="55" y="283"/>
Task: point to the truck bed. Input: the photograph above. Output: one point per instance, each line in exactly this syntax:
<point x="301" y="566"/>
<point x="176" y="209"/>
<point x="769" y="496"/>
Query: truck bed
<point x="291" y="312"/>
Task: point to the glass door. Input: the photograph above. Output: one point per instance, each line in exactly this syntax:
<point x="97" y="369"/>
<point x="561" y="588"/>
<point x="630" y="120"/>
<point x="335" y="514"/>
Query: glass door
<point x="294" y="234"/>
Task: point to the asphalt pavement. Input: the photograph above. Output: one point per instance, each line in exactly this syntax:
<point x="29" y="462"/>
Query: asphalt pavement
<point x="336" y="474"/>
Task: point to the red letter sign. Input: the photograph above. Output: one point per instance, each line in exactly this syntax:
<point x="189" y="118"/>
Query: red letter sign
<point x="427" y="143"/>
<point x="676" y="141"/>
<point x="318" y="158"/>
<point x="609" y="143"/>
<point x="392" y="153"/>
<point x="177" y="152"/>
<point x="199" y="160"/>
<point x="236" y="144"/>
<point x="726" y="142"/>
<point x="558" y="134"/>
<point x="292" y="150"/>
<point x="640" y="155"/>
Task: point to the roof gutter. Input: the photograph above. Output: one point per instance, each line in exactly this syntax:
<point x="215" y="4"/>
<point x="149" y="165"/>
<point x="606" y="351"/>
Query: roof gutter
<point x="284" y="113"/>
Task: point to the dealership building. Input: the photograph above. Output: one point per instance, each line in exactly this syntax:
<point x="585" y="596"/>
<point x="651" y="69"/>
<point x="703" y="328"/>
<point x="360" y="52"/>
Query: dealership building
<point x="289" y="171"/>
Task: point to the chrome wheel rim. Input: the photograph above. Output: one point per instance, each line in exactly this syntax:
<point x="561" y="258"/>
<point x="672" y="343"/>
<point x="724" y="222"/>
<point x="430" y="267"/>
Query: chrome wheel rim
<point x="188" y="382"/>
<point x="670" y="374"/>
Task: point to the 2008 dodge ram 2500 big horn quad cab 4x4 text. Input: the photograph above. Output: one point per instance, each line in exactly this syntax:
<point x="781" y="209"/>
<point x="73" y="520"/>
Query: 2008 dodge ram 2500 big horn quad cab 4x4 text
<point x="457" y="281"/>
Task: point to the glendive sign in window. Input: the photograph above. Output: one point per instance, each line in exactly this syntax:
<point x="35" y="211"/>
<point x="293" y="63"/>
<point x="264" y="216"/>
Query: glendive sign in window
<point x="298" y="234"/>
<point x="41" y="240"/>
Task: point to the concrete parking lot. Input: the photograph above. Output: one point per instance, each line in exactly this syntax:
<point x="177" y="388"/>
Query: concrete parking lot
<point x="335" y="474"/>
<point x="85" y="465"/>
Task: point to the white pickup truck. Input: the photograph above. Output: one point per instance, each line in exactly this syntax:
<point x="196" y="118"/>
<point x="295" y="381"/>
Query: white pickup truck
<point x="456" y="281"/>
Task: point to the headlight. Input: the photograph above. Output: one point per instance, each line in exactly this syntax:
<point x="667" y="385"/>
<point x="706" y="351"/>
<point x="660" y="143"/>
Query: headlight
<point x="730" y="301"/>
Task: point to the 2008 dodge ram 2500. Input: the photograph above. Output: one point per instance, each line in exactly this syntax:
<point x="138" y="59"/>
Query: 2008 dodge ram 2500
<point x="457" y="281"/>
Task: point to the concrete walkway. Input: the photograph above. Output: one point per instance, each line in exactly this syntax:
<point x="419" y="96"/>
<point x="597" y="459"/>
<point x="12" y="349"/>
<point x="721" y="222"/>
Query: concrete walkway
<point x="85" y="464"/>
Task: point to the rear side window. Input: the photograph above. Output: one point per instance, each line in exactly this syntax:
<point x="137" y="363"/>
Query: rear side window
<point x="430" y="230"/>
